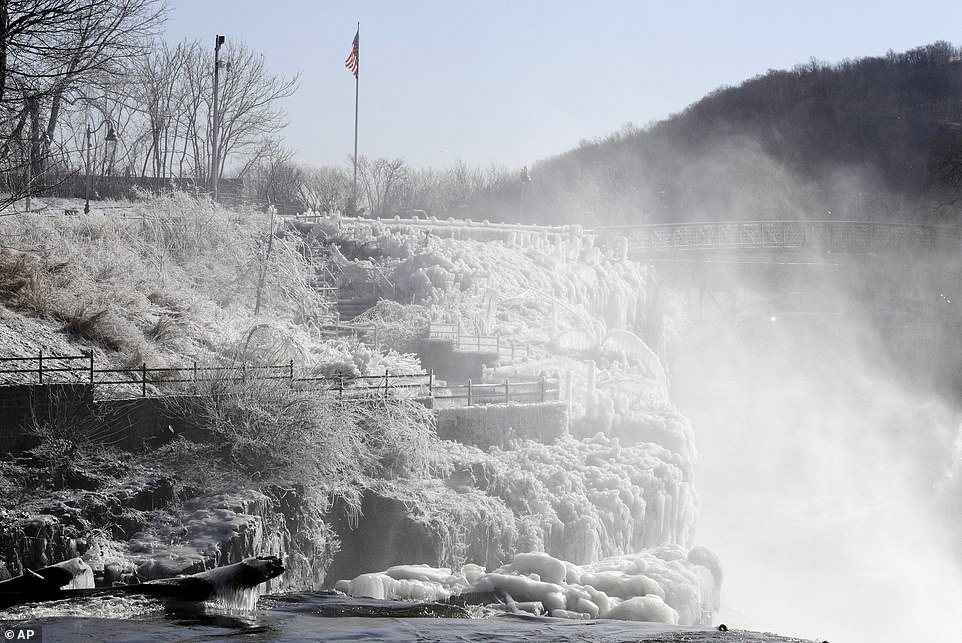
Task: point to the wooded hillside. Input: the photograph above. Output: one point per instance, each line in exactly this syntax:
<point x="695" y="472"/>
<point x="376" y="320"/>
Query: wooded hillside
<point x="873" y="138"/>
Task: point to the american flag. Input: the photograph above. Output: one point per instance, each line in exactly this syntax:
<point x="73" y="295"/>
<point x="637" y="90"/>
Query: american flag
<point x="351" y="62"/>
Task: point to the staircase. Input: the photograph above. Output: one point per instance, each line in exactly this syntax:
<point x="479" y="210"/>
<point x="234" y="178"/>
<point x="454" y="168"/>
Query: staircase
<point x="349" y="307"/>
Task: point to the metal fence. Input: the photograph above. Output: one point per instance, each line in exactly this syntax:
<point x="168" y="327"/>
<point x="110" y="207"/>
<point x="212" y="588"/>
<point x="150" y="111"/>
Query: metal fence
<point x="476" y="343"/>
<point x="543" y="389"/>
<point x="162" y="381"/>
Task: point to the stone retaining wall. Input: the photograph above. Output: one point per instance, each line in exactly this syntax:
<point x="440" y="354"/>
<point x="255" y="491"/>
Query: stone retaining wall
<point x="495" y="424"/>
<point x="140" y="423"/>
<point x="131" y="424"/>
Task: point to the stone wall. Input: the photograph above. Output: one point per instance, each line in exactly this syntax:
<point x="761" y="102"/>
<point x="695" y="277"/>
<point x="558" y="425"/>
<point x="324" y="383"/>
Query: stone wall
<point x="495" y="424"/>
<point x="450" y="365"/>
<point x="142" y="423"/>
<point x="131" y="424"/>
<point x="23" y="404"/>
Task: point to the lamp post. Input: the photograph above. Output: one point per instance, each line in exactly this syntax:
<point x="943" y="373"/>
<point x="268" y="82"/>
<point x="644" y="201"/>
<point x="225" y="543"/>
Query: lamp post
<point x="110" y="138"/>
<point x="215" y="117"/>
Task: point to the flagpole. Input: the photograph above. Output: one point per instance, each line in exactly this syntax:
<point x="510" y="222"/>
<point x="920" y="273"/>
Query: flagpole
<point x="357" y="83"/>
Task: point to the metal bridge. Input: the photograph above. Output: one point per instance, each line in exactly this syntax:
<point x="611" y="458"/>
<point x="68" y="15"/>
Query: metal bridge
<point x="835" y="237"/>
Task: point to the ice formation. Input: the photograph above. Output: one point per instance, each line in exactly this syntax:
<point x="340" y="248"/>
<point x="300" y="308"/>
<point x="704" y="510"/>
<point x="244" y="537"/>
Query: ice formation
<point x="665" y="585"/>
<point x="621" y="484"/>
<point x="83" y="575"/>
<point x="597" y="498"/>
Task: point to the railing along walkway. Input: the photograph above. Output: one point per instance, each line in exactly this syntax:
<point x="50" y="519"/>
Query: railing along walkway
<point x="164" y="381"/>
<point x="505" y="349"/>
<point x="827" y="236"/>
<point x="431" y="222"/>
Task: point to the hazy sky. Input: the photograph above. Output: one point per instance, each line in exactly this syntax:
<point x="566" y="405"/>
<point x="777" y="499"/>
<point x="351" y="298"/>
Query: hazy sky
<point x="513" y="82"/>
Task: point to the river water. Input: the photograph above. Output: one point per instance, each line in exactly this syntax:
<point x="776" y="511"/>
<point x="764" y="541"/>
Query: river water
<point x="296" y="618"/>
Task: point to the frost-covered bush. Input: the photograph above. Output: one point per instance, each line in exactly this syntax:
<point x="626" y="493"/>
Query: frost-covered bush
<point x="275" y="436"/>
<point x="123" y="282"/>
<point x="399" y="326"/>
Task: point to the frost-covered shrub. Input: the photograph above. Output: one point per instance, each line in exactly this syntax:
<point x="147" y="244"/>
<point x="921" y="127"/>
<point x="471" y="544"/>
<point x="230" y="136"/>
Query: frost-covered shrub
<point x="399" y="326"/>
<point x="188" y="260"/>
<point x="275" y="436"/>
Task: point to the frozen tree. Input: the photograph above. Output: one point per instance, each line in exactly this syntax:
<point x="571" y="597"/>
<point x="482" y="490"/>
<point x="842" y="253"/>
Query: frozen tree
<point x="383" y="182"/>
<point x="325" y="189"/>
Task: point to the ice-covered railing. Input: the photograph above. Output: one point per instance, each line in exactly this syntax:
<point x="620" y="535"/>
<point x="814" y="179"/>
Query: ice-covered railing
<point x="504" y="348"/>
<point x="522" y="234"/>
<point x="435" y="222"/>
<point x="144" y="381"/>
<point x="829" y="236"/>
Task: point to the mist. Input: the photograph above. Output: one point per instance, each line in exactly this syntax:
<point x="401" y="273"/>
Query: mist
<point x="824" y="466"/>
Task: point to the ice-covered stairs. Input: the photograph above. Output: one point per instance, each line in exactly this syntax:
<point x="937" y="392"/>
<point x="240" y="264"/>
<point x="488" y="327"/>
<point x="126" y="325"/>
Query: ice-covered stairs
<point x="350" y="307"/>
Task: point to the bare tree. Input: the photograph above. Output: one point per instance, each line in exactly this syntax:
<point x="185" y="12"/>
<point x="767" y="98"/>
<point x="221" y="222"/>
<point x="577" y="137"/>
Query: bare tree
<point x="383" y="181"/>
<point x="326" y="189"/>
<point x="250" y="110"/>
<point x="55" y="53"/>
<point x="276" y="179"/>
<point x="159" y="94"/>
<point x="174" y="93"/>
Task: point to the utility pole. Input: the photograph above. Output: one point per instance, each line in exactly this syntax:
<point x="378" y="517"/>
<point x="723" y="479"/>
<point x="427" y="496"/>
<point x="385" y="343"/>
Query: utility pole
<point x="214" y="156"/>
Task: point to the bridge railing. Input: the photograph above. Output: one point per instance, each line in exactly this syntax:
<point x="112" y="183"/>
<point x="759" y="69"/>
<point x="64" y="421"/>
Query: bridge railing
<point x="829" y="236"/>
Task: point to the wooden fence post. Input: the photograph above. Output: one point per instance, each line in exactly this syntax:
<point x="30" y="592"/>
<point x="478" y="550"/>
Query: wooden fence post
<point x="143" y="379"/>
<point x="290" y="366"/>
<point x="194" y="366"/>
<point x="431" y="383"/>
<point x="90" y="354"/>
<point x="469" y="392"/>
<point x="40" y="364"/>
<point x="387" y="375"/>
<point x="542" y="387"/>
<point x="506" y="395"/>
